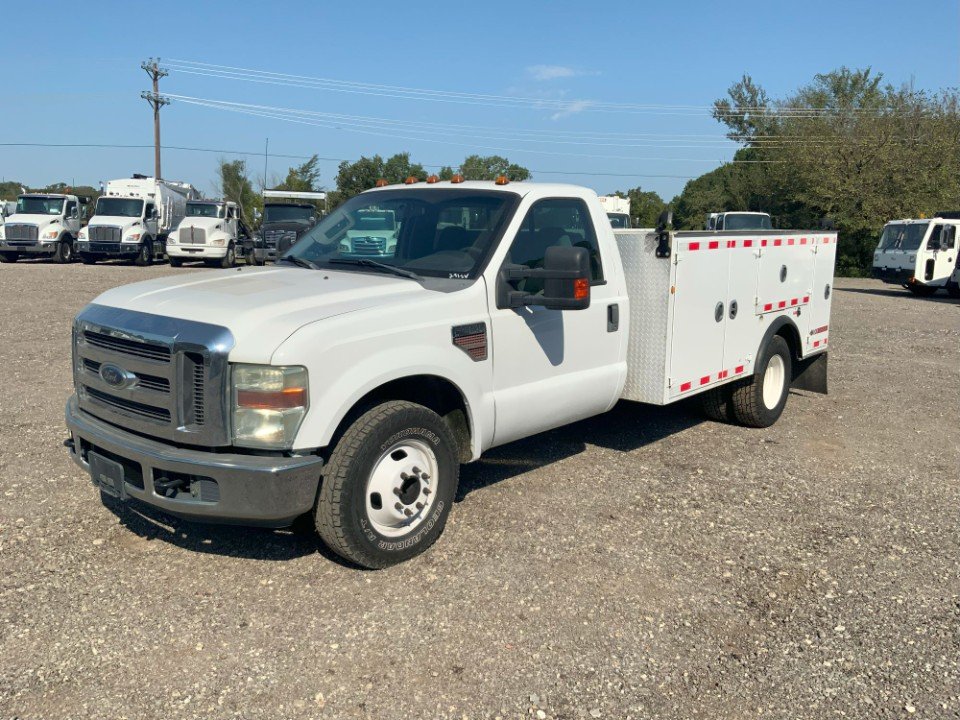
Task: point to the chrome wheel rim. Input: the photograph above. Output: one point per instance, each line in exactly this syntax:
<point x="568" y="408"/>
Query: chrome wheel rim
<point x="773" y="380"/>
<point x="401" y="488"/>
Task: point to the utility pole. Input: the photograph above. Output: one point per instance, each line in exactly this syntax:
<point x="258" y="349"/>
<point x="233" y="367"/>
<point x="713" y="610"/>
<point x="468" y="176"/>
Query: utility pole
<point x="156" y="101"/>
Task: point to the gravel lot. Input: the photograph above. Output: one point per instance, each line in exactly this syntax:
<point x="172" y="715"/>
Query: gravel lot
<point x="638" y="565"/>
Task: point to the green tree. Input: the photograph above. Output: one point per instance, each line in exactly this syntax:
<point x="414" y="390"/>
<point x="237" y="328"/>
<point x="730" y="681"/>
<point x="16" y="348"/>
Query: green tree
<point x="235" y="185"/>
<point x="645" y="206"/>
<point x="353" y="178"/>
<point x="302" y="178"/>
<point x="475" y="167"/>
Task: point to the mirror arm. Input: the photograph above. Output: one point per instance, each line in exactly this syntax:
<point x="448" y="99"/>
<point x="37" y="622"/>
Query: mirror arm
<point x="521" y="273"/>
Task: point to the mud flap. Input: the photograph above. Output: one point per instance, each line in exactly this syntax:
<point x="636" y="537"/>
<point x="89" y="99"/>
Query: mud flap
<point x="811" y="374"/>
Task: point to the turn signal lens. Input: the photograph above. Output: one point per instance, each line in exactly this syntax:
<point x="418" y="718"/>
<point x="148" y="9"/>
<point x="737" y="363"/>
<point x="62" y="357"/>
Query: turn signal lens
<point x="272" y="400"/>
<point x="581" y="289"/>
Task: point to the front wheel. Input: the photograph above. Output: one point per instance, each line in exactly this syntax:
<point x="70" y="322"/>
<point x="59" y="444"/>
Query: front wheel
<point x="953" y="289"/>
<point x="145" y="254"/>
<point x="175" y="261"/>
<point x="921" y="290"/>
<point x="759" y="401"/>
<point x="64" y="252"/>
<point x="230" y="258"/>
<point x="9" y="257"/>
<point x="389" y="485"/>
<point x="88" y="259"/>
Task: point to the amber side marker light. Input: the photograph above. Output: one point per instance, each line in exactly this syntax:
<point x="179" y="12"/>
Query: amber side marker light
<point x="458" y="178"/>
<point x="272" y="400"/>
<point x="581" y="289"/>
<point x="412" y="180"/>
<point x="502" y="180"/>
<point x="382" y="183"/>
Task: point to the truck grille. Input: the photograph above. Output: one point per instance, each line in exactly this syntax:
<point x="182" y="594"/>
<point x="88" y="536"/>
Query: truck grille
<point x="169" y="376"/>
<point x="281" y="240"/>
<point x="104" y="233"/>
<point x="369" y="245"/>
<point x="193" y="236"/>
<point x="20" y="232"/>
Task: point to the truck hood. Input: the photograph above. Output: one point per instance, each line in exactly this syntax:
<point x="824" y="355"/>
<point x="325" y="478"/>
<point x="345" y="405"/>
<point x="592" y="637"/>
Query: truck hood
<point x="120" y="221"/>
<point x="39" y="220"/>
<point x="262" y="307"/>
<point x="206" y="223"/>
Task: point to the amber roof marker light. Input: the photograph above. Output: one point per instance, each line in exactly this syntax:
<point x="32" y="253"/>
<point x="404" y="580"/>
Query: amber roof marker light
<point x="412" y="180"/>
<point x="458" y="178"/>
<point x="381" y="183"/>
<point x="433" y="179"/>
<point x="502" y="180"/>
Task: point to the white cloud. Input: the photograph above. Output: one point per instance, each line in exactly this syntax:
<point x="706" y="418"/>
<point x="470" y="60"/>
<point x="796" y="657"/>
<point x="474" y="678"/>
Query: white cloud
<point x="572" y="108"/>
<point x="543" y="73"/>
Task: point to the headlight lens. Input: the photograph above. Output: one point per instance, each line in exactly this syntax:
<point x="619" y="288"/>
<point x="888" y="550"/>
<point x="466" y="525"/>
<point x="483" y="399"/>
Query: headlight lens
<point x="51" y="234"/>
<point x="269" y="403"/>
<point x="82" y="235"/>
<point x="133" y="236"/>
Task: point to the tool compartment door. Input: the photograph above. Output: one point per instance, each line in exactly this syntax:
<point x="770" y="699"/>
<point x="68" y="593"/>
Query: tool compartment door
<point x="743" y="327"/>
<point x="821" y="297"/>
<point x="700" y="308"/>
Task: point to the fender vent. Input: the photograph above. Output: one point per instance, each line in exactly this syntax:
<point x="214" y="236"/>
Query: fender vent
<point x="472" y="339"/>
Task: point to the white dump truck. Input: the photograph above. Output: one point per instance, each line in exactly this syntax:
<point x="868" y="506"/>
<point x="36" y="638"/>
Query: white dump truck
<point x="617" y="209"/>
<point x="919" y="255"/>
<point x="211" y="231"/>
<point x="349" y="388"/>
<point x="133" y="218"/>
<point x="42" y="224"/>
<point x="738" y="220"/>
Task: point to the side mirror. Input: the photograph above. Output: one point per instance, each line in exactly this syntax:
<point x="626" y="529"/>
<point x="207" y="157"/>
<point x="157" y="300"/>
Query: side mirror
<point x="566" y="281"/>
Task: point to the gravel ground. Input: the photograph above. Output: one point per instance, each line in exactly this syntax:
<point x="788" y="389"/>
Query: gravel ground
<point x="642" y="564"/>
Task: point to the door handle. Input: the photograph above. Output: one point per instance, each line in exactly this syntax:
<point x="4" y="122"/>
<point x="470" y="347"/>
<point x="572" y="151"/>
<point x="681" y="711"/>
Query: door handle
<point x="613" y="317"/>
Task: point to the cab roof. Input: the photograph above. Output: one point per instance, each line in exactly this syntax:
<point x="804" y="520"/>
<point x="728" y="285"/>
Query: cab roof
<point x="516" y="187"/>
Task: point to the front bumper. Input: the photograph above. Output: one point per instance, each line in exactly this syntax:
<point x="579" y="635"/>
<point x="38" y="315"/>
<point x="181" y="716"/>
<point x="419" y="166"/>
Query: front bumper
<point x="192" y="251"/>
<point x="107" y="248"/>
<point x="894" y="276"/>
<point x="269" y="491"/>
<point x="31" y="247"/>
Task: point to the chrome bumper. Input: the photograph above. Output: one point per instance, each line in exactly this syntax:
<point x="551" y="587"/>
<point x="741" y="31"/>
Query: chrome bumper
<point x="197" y="485"/>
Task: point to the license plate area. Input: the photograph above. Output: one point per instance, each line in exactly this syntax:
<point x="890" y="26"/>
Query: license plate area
<point x="107" y="475"/>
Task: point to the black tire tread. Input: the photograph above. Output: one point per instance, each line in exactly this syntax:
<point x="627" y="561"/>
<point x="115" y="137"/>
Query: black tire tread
<point x="715" y="404"/>
<point x="328" y="513"/>
<point x="746" y="400"/>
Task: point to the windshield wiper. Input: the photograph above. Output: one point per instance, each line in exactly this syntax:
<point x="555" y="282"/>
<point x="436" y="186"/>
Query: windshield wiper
<point x="302" y="262"/>
<point x="367" y="262"/>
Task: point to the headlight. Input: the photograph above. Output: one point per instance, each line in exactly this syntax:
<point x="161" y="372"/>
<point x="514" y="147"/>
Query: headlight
<point x="82" y="235"/>
<point x="218" y="241"/>
<point x="51" y="234"/>
<point x="133" y="236"/>
<point x="269" y="404"/>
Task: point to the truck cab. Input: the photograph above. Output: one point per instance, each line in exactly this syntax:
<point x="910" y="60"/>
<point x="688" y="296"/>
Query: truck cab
<point x="123" y="227"/>
<point x="209" y="232"/>
<point x="738" y="220"/>
<point x="918" y="254"/>
<point x="42" y="224"/>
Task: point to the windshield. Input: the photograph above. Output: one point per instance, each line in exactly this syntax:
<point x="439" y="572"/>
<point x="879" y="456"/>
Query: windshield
<point x="619" y="221"/>
<point x="198" y="209"/>
<point x="119" y="207"/>
<point x="746" y="221"/>
<point x="287" y="213"/>
<point x="40" y="205"/>
<point x="903" y="236"/>
<point x="439" y="233"/>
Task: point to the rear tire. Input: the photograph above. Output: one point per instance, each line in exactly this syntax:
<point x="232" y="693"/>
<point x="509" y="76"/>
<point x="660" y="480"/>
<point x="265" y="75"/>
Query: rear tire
<point x="64" y="252"/>
<point x="922" y="290"/>
<point x="175" y="261"/>
<point x="389" y="485"/>
<point x="145" y="254"/>
<point x="88" y="259"/>
<point x="759" y="400"/>
<point x="716" y="403"/>
<point x="953" y="289"/>
<point x="9" y="257"/>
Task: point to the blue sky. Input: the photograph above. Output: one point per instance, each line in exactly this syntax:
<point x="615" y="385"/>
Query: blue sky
<point x="85" y="88"/>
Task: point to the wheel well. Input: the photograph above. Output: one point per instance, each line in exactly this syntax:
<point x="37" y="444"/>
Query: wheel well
<point x="433" y="392"/>
<point x="788" y="331"/>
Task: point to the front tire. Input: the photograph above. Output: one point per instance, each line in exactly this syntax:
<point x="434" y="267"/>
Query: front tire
<point x="64" y="252"/>
<point x="230" y="258"/>
<point x="145" y="254"/>
<point x="921" y="290"/>
<point x="9" y="257"/>
<point x="88" y="259"/>
<point x="389" y="485"/>
<point x="953" y="289"/>
<point x="175" y="261"/>
<point x="759" y="401"/>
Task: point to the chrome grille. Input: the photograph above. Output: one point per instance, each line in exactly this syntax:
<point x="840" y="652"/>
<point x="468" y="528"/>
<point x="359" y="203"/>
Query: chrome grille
<point x="174" y="374"/>
<point x="22" y="232"/>
<point x="104" y="233"/>
<point x="369" y="245"/>
<point x="193" y="236"/>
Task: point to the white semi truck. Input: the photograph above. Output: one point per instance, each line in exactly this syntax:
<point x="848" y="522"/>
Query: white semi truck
<point x="617" y="209"/>
<point x="211" y="231"/>
<point x="42" y="224"/>
<point x="133" y="219"/>
<point x="919" y="255"/>
<point x="350" y="388"/>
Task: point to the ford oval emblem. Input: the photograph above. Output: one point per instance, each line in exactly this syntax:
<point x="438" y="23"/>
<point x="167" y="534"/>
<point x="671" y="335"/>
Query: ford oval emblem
<point x="116" y="376"/>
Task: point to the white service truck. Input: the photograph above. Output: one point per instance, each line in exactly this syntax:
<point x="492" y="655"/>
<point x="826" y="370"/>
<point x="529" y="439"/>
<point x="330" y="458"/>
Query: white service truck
<point x="42" y="224"/>
<point x="133" y="218"/>
<point x="919" y="255"/>
<point x="211" y="231"/>
<point x="350" y="388"/>
<point x="617" y="209"/>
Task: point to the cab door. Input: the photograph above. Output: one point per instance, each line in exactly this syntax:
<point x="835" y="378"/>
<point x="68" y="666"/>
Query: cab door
<point x="942" y="248"/>
<point x="149" y="219"/>
<point x="71" y="220"/>
<point x="553" y="367"/>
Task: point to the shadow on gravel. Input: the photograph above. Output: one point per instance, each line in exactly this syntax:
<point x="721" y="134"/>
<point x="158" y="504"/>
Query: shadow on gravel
<point x="629" y="426"/>
<point x="901" y="293"/>
<point x="234" y="541"/>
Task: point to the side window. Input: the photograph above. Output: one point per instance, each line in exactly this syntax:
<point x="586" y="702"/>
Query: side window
<point x="556" y="221"/>
<point x="934" y="242"/>
<point x="149" y="210"/>
<point x="71" y="208"/>
<point x="950" y="236"/>
<point x="230" y="212"/>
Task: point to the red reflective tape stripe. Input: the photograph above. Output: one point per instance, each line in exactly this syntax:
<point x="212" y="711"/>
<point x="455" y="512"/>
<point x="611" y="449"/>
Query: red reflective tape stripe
<point x="824" y="341"/>
<point x="748" y="243"/>
<point x="731" y="243"/>
<point x="768" y="306"/>
<point x="826" y="240"/>
<point x="793" y="301"/>
<point x="790" y="241"/>
<point x="722" y="374"/>
<point x="686" y="386"/>
<point x="714" y="244"/>
<point x="738" y="369"/>
<point x="705" y="379"/>
<point x="803" y="241"/>
<point x="778" y="242"/>
<point x="693" y="246"/>
<point x="763" y="243"/>
<point x="782" y="304"/>
<point x="806" y="298"/>
<point x="816" y="343"/>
